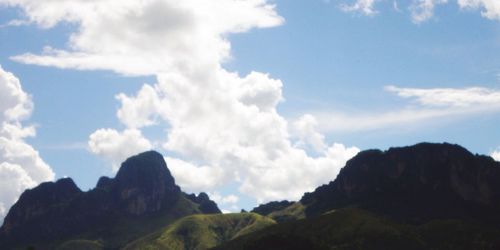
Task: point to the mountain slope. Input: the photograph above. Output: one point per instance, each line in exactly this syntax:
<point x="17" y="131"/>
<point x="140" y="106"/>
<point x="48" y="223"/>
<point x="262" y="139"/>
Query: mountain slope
<point x="142" y="198"/>
<point x="202" y="231"/>
<point x="352" y="228"/>
<point x="415" y="184"/>
<point x="426" y="196"/>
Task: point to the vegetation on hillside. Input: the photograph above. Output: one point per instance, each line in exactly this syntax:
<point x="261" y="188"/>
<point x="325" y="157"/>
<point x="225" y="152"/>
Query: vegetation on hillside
<point x="202" y="231"/>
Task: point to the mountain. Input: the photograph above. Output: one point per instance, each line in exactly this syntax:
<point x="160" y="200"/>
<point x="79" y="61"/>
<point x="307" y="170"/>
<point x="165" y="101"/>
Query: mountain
<point x="415" y="185"/>
<point x="142" y="198"/>
<point x="426" y="196"/>
<point x="281" y="211"/>
<point x="202" y="231"/>
<point x="352" y="228"/>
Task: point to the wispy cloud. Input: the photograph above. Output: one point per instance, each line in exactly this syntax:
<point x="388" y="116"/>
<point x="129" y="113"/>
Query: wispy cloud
<point x="427" y="107"/>
<point x="423" y="10"/>
<point x="449" y="97"/>
<point x="66" y="146"/>
<point x="366" y="7"/>
<point x="15" y="23"/>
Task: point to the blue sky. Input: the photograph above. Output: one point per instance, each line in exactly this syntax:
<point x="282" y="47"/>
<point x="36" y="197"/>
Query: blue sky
<point x="325" y="68"/>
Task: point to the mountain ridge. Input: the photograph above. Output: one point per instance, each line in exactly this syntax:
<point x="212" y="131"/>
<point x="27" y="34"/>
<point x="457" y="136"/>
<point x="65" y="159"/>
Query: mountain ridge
<point x="429" y="195"/>
<point x="413" y="184"/>
<point x="53" y="211"/>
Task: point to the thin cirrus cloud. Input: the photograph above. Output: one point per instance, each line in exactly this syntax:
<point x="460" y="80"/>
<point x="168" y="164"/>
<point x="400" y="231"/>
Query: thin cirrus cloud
<point x="426" y="107"/>
<point x="423" y="10"/>
<point x="21" y="166"/>
<point x="221" y="127"/>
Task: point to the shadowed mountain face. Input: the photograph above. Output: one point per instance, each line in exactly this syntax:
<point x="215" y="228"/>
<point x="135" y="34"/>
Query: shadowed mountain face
<point x="268" y="208"/>
<point x="415" y="184"/>
<point x="142" y="188"/>
<point x="427" y="196"/>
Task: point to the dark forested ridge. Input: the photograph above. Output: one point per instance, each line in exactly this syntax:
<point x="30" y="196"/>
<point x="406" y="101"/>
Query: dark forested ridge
<point x="140" y="199"/>
<point x="426" y="196"/>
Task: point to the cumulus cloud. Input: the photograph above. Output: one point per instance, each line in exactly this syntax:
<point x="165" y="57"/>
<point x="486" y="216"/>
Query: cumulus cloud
<point x="194" y="178"/>
<point x="306" y="129"/>
<point x="221" y="127"/>
<point x="21" y="166"/>
<point x="144" y="37"/>
<point x="495" y="155"/>
<point x="139" y="111"/>
<point x="239" y="138"/>
<point x="117" y="146"/>
<point x="489" y="8"/>
<point x="227" y="204"/>
<point x="423" y="10"/>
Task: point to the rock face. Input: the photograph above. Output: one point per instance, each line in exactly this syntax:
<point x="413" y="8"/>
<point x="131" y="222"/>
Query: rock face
<point x="266" y="209"/>
<point x="207" y="206"/>
<point x="414" y="184"/>
<point x="144" y="184"/>
<point x="52" y="211"/>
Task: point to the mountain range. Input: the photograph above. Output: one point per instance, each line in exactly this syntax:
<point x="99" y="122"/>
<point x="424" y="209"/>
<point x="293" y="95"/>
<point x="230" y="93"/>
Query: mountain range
<point x="426" y="196"/>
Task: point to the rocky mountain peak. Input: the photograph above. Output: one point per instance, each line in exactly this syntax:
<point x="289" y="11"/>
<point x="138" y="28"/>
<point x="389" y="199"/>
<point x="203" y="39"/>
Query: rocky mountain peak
<point x="143" y="188"/>
<point x="145" y="184"/>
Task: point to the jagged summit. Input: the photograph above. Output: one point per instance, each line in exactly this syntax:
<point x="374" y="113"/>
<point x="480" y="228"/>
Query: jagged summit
<point x="142" y="188"/>
<point x="414" y="183"/>
<point x="145" y="184"/>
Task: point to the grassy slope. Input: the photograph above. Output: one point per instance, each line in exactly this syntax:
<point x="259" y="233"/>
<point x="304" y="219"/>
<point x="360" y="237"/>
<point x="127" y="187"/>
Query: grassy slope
<point x="202" y="231"/>
<point x="80" y="245"/>
<point x="293" y="212"/>
<point x="344" y="229"/>
<point x="357" y="229"/>
<point x="127" y="230"/>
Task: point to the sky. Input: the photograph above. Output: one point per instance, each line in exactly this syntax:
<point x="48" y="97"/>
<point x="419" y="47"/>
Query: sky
<point x="248" y="100"/>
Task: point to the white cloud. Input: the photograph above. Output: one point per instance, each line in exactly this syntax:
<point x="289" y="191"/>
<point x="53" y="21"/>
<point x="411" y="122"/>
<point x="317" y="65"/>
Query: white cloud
<point x="116" y="146"/>
<point x="423" y="10"/>
<point x="490" y="8"/>
<point x="14" y="180"/>
<point x="450" y="97"/>
<point x="495" y="155"/>
<point x="144" y="37"/>
<point x="140" y="111"/>
<point x="306" y="129"/>
<point x="21" y="166"/>
<point x="365" y="7"/>
<point x="193" y="178"/>
<point x="245" y="139"/>
<point x="431" y="106"/>
<point x="224" y="200"/>
<point x="227" y="204"/>
<point x="15" y="104"/>
<point x="227" y="125"/>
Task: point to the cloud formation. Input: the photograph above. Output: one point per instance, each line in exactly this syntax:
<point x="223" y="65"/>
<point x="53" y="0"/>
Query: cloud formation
<point x="117" y="146"/>
<point x="144" y="37"/>
<point x="428" y="106"/>
<point x="21" y="166"/>
<point x="423" y="10"/>
<point x="450" y="97"/>
<point x="366" y="7"/>
<point x="221" y="127"/>
<point x="495" y="155"/>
